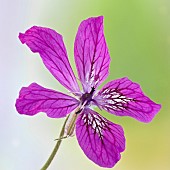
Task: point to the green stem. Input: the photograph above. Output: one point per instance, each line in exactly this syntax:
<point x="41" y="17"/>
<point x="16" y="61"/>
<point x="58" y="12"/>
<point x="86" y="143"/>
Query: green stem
<point x="46" y="165"/>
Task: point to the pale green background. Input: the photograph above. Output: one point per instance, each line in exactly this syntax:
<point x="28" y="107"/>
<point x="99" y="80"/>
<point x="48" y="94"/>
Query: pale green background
<point x="138" y="36"/>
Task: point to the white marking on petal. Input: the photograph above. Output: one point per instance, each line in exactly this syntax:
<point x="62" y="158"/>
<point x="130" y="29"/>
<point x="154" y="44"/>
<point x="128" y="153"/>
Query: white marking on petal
<point x="96" y="82"/>
<point x="118" y="100"/>
<point x="110" y="99"/>
<point x="106" y="96"/>
<point x="115" y="95"/>
<point x="106" y="90"/>
<point x="122" y="97"/>
<point x="96" y="122"/>
<point x="111" y="106"/>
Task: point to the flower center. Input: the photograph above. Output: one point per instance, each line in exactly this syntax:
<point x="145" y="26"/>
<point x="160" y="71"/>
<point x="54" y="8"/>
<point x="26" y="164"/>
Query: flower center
<point x="86" y="98"/>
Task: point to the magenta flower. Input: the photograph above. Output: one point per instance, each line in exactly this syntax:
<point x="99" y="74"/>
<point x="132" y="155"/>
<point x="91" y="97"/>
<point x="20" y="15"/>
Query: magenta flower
<point x="101" y="140"/>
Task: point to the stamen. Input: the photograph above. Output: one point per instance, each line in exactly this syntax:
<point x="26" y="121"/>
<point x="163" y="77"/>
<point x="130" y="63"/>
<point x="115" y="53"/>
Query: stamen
<point x="92" y="90"/>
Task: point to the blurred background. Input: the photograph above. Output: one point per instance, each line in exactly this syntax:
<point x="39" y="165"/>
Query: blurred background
<point x="138" y="36"/>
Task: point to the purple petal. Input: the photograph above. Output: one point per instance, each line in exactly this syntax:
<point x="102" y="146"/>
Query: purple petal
<point x="122" y="97"/>
<point x="49" y="44"/>
<point x="101" y="140"/>
<point x="91" y="53"/>
<point x="34" y="99"/>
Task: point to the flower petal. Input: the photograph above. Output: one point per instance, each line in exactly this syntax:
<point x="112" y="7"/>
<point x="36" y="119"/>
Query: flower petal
<point x="122" y="97"/>
<point x="49" y="44"/>
<point x="101" y="140"/>
<point x="91" y="53"/>
<point x="34" y="99"/>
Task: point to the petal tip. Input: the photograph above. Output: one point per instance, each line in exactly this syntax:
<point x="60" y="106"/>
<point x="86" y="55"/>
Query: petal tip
<point x="101" y="17"/>
<point x="156" y="109"/>
<point x="21" y="38"/>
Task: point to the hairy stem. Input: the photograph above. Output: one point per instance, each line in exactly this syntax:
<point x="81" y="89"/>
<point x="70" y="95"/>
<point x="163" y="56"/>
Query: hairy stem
<point x="46" y="165"/>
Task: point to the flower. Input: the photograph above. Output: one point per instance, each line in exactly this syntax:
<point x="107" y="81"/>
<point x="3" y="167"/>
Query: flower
<point x="101" y="140"/>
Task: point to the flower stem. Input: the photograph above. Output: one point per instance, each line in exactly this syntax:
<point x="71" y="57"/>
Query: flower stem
<point x="46" y="165"/>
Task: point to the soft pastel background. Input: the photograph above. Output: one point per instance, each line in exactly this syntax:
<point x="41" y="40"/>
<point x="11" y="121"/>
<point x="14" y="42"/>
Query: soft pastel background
<point x="138" y="36"/>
